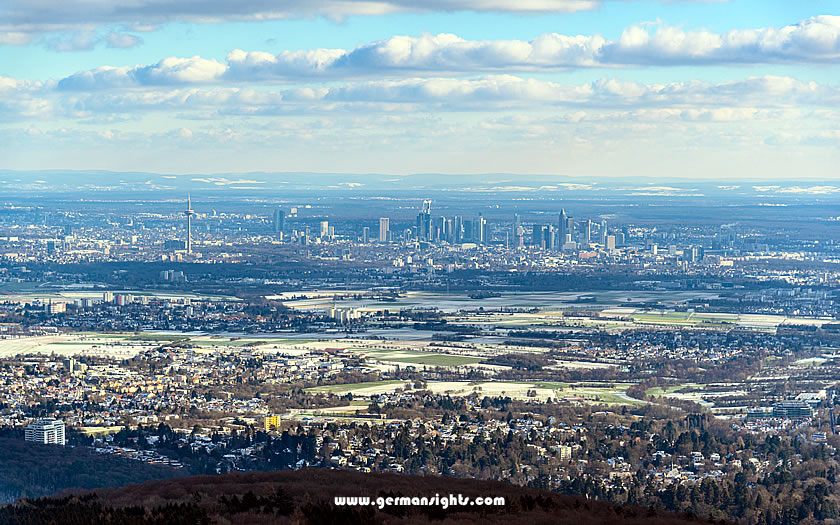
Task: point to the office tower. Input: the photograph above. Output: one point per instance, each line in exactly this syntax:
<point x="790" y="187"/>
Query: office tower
<point x="694" y="254"/>
<point x="458" y="229"/>
<point x="603" y="233"/>
<point x="547" y="241"/>
<point x="450" y="237"/>
<point x="516" y="225"/>
<point x="49" y="431"/>
<point x="610" y="242"/>
<point x="279" y="221"/>
<point x="481" y="230"/>
<point x="536" y="235"/>
<point x="563" y="227"/>
<point x="620" y="239"/>
<point x="366" y="235"/>
<point x="442" y="231"/>
<point x="570" y="229"/>
<point x="424" y="222"/>
<point x="189" y="213"/>
<point x="468" y="230"/>
<point x="325" y="229"/>
<point x="384" y="229"/>
<point x="587" y="231"/>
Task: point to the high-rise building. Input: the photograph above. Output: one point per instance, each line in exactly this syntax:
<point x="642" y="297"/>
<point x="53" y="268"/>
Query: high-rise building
<point x="603" y="233"/>
<point x="548" y="237"/>
<point x="424" y="222"/>
<point x="536" y="235"/>
<point x="365" y="235"/>
<point x="279" y="222"/>
<point x="49" y="431"/>
<point x="468" y="230"/>
<point x="610" y="242"/>
<point x="325" y="230"/>
<point x="480" y="226"/>
<point x="384" y="229"/>
<point x="563" y="227"/>
<point x="587" y="231"/>
<point x="458" y="229"/>
<point x="570" y="229"/>
<point x="189" y="213"/>
<point x="442" y="231"/>
<point x="517" y="231"/>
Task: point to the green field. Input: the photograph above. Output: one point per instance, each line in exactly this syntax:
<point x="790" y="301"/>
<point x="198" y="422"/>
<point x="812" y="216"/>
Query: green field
<point x="235" y="342"/>
<point x="590" y="393"/>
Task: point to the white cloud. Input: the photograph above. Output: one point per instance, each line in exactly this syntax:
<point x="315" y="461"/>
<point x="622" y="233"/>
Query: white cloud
<point x="122" y="40"/>
<point x="816" y="40"/>
<point x="751" y="99"/>
<point x="56" y="14"/>
<point x="172" y="70"/>
<point x="22" y="21"/>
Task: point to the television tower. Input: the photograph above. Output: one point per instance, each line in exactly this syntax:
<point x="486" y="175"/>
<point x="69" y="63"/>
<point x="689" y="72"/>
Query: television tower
<point x="189" y="213"/>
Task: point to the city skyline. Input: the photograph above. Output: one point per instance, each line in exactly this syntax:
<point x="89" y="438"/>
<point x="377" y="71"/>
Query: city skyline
<point x="575" y="259"/>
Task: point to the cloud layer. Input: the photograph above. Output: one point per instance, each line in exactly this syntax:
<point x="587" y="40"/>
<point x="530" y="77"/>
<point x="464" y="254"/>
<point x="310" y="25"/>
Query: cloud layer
<point x="816" y="40"/>
<point x="754" y="98"/>
<point x="21" y="21"/>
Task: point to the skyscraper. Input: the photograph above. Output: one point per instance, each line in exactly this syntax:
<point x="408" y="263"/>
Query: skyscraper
<point x="517" y="231"/>
<point x="279" y="221"/>
<point x="189" y="213"/>
<point x="587" y="231"/>
<point x="537" y="236"/>
<point x="548" y="237"/>
<point x="325" y="230"/>
<point x="570" y="229"/>
<point x="442" y="231"/>
<point x="562" y="224"/>
<point x="424" y="222"/>
<point x="384" y="229"/>
<point x="481" y="230"/>
<point x="603" y="233"/>
<point x="365" y="235"/>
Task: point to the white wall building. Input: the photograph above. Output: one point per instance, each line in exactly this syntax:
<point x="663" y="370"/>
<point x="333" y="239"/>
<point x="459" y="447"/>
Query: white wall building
<point x="49" y="431"/>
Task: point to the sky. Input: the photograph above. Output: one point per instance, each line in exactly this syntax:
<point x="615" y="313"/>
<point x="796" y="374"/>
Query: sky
<point x="724" y="90"/>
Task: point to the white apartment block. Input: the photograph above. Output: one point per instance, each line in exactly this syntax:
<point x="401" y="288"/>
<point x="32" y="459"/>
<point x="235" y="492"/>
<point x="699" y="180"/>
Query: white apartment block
<point x="49" y="431"/>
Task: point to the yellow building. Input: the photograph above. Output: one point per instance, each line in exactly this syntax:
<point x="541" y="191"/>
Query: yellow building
<point x="272" y="423"/>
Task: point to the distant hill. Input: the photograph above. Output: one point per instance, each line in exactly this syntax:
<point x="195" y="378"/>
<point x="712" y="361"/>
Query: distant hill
<point x="306" y="496"/>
